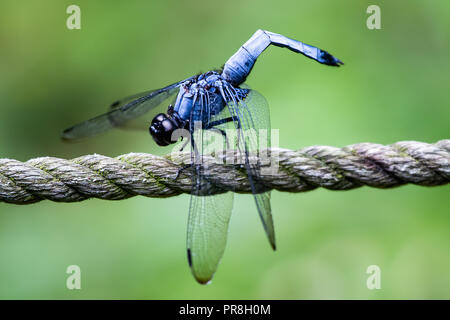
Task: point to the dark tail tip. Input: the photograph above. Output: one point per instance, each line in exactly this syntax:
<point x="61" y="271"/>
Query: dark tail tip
<point x="329" y="59"/>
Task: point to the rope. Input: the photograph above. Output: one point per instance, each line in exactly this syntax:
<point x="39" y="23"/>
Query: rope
<point x="128" y="175"/>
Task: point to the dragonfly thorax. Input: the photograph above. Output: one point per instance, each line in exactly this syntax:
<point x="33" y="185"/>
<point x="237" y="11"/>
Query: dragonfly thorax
<point x="198" y="99"/>
<point x="201" y="94"/>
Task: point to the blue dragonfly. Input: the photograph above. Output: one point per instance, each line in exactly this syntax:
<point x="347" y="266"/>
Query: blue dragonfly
<point x="218" y="100"/>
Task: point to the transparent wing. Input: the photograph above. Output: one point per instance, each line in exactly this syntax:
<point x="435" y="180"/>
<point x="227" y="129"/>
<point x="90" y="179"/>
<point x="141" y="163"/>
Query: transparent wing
<point x="142" y="122"/>
<point x="121" y="112"/>
<point x="209" y="216"/>
<point x="207" y="233"/>
<point x="126" y="100"/>
<point x="251" y="114"/>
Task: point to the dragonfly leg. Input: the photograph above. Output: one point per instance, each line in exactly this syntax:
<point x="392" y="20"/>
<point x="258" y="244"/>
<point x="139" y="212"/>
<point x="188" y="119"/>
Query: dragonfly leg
<point x="223" y="133"/>
<point x="213" y="124"/>
<point x="238" y="67"/>
<point x="193" y="157"/>
<point x="184" y="145"/>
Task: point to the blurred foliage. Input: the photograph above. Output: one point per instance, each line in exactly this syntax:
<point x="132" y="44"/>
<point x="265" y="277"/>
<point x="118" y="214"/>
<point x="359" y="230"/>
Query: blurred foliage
<point x="394" y="86"/>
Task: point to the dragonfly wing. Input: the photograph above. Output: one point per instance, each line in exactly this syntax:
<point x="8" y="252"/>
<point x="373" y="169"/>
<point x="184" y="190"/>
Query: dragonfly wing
<point x="265" y="213"/>
<point x="121" y="112"/>
<point x="251" y="114"/>
<point x="142" y="123"/>
<point x="207" y="233"/>
<point x="209" y="216"/>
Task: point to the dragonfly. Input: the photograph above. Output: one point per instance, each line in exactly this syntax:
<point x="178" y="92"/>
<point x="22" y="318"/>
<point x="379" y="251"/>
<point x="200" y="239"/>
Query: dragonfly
<point x="215" y="101"/>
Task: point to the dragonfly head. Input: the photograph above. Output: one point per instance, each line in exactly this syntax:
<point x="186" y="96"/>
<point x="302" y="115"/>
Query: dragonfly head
<point x="162" y="128"/>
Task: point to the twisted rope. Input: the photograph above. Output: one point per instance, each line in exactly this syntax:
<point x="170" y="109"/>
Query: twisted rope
<point x="128" y="175"/>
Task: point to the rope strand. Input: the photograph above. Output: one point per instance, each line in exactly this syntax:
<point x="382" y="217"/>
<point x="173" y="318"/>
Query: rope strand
<point x="128" y="175"/>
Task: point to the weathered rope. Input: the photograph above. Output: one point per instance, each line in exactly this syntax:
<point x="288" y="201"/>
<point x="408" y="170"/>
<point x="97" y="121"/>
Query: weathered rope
<point x="96" y="176"/>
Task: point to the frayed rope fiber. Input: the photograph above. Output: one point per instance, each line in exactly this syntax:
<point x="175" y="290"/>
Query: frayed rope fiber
<point x="128" y="175"/>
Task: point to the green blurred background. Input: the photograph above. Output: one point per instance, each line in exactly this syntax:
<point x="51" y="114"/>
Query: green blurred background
<point x="394" y="86"/>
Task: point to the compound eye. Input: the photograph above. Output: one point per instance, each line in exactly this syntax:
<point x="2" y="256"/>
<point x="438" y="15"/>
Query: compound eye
<point x="168" y="125"/>
<point x="161" y="129"/>
<point x="160" y="117"/>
